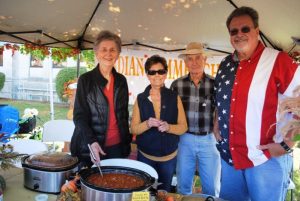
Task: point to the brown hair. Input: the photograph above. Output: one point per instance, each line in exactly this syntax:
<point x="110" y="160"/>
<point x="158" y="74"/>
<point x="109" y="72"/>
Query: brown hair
<point x="241" y="12"/>
<point x="107" y="35"/>
<point x="154" y="60"/>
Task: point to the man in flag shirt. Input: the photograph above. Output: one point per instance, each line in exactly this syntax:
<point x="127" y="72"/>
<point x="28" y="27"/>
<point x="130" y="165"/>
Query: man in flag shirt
<point x="249" y="85"/>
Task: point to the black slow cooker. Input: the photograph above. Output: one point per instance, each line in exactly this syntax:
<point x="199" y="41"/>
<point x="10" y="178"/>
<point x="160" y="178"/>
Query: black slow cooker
<point x="92" y="192"/>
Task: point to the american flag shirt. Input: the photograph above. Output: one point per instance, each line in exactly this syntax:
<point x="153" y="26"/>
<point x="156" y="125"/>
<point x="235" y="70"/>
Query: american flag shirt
<point x="247" y="95"/>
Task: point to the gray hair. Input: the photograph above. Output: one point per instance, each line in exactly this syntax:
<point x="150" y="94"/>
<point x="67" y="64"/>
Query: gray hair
<point x="241" y="12"/>
<point x="107" y="35"/>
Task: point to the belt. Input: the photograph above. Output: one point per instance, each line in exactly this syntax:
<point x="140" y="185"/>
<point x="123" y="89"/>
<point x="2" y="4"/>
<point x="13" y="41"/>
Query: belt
<point x="200" y="133"/>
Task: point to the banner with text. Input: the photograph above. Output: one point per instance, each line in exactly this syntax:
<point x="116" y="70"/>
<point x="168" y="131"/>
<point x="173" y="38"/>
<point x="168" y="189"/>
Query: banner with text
<point x="131" y="64"/>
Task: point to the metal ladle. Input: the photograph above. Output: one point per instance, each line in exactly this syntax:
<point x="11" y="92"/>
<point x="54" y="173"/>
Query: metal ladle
<point x="94" y="157"/>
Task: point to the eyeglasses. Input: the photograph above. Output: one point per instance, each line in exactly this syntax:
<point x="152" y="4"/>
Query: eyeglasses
<point x="160" y="72"/>
<point x="244" y="29"/>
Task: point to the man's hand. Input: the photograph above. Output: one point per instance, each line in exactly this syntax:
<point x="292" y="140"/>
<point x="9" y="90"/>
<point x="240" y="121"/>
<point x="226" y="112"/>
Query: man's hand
<point x="216" y="128"/>
<point x="218" y="136"/>
<point x="275" y="149"/>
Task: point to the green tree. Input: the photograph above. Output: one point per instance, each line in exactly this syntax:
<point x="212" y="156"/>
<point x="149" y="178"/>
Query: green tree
<point x="89" y="57"/>
<point x="2" y="80"/>
<point x="63" y="76"/>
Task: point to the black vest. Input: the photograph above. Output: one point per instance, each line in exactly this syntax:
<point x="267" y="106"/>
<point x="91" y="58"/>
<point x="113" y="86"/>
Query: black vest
<point x="152" y="141"/>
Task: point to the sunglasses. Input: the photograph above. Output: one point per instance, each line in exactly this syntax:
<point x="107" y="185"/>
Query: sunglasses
<point x="244" y="29"/>
<point x="160" y="72"/>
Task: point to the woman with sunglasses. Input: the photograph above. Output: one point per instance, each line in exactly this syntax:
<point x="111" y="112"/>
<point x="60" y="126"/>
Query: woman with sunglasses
<point x="158" y="119"/>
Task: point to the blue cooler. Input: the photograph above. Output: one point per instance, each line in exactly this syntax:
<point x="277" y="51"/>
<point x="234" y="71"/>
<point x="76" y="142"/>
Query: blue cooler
<point x="9" y="122"/>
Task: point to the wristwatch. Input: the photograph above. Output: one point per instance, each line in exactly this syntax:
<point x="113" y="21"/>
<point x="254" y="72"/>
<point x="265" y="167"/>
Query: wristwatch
<point x="286" y="147"/>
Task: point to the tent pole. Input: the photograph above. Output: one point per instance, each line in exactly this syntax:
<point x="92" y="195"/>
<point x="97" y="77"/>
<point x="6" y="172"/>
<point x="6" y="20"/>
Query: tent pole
<point x="232" y="3"/>
<point x="50" y="67"/>
<point x="263" y="40"/>
<point x="92" y="16"/>
<point x="174" y="50"/>
<point x="17" y="37"/>
<point x="78" y="65"/>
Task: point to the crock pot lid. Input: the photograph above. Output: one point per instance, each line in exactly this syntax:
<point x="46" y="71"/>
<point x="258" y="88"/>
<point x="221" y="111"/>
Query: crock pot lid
<point x="51" y="160"/>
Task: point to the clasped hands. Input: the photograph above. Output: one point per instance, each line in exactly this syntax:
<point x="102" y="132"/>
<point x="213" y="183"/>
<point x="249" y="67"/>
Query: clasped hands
<point x="162" y="126"/>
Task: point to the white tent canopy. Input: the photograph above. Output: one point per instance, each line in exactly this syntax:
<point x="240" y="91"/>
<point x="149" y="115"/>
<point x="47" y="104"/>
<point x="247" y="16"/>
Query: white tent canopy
<point x="167" y="24"/>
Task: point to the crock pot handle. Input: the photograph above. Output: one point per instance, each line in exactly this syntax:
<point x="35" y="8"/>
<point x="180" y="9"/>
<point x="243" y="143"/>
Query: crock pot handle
<point x="155" y="183"/>
<point x="153" y="191"/>
<point x="209" y="198"/>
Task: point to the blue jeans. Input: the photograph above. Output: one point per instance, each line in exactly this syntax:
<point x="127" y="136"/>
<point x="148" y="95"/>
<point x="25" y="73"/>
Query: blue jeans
<point x="199" y="150"/>
<point x="165" y="170"/>
<point x="267" y="182"/>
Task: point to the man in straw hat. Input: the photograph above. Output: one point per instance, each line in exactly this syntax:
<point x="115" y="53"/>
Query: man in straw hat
<point x="249" y="85"/>
<point x="197" y="146"/>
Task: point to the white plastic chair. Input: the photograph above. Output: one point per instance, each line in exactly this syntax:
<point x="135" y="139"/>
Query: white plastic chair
<point x="27" y="146"/>
<point x="58" y="131"/>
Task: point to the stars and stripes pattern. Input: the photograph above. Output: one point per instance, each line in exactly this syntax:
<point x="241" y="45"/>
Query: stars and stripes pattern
<point x="247" y="94"/>
<point x="223" y="84"/>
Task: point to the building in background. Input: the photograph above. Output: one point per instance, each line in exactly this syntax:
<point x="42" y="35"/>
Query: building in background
<point x="28" y="78"/>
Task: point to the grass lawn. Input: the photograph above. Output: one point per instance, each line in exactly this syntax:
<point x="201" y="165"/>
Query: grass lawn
<point x="60" y="110"/>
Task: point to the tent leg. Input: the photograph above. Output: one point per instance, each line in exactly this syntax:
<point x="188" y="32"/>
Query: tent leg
<point x="50" y="67"/>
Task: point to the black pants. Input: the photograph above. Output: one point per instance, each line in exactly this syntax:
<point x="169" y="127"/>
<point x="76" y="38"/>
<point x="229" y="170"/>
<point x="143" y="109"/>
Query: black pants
<point x="114" y="151"/>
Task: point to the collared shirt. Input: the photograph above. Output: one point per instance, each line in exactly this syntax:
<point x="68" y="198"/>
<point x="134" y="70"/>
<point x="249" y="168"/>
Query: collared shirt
<point x="247" y="95"/>
<point x="197" y="102"/>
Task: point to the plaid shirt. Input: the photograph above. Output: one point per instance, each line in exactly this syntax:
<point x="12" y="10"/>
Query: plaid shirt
<point x="198" y="102"/>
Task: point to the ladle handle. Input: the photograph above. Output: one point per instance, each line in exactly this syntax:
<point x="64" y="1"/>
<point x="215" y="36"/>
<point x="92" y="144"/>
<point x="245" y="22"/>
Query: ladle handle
<point x="94" y="157"/>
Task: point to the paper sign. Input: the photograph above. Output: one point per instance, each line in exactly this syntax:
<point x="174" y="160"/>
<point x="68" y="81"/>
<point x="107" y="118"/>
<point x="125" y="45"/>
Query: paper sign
<point x="140" y="196"/>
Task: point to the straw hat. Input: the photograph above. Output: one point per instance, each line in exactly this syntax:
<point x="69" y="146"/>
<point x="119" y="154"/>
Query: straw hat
<point x="192" y="48"/>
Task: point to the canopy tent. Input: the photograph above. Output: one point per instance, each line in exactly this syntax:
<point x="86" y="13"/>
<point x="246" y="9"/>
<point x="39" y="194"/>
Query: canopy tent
<point x="167" y="25"/>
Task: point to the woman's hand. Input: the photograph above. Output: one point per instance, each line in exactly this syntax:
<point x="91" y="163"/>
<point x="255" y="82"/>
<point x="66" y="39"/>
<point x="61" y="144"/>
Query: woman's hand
<point x="152" y="122"/>
<point x="97" y="149"/>
<point x="164" y="126"/>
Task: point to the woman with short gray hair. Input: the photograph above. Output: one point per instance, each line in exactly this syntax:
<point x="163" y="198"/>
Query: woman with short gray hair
<point x="101" y="106"/>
